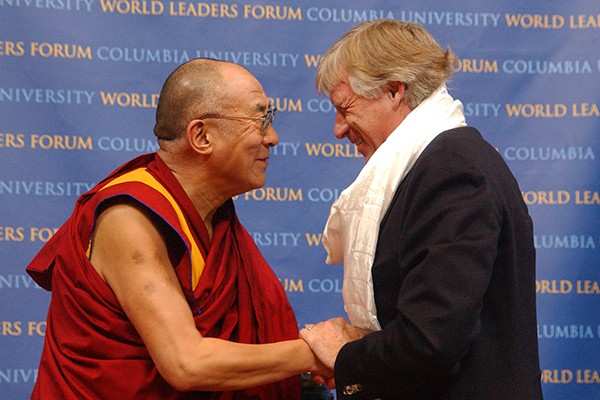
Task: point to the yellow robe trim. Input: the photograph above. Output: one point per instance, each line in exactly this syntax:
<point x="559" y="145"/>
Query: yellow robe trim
<point x="143" y="176"/>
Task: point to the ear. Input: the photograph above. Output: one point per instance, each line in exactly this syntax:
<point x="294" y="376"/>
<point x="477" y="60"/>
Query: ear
<point x="396" y="93"/>
<point x="199" y="137"/>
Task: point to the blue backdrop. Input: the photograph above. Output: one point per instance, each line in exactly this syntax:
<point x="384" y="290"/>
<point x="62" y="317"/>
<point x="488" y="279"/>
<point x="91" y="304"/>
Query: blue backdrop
<point x="79" y="81"/>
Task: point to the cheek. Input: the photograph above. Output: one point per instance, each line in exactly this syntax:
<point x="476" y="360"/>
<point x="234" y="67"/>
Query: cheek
<point x="375" y="129"/>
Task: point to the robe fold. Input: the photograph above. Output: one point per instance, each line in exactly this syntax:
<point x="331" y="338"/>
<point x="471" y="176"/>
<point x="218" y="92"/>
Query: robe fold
<point x="93" y="351"/>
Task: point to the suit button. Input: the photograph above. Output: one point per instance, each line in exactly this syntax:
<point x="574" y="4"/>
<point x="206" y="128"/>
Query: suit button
<point x="349" y="390"/>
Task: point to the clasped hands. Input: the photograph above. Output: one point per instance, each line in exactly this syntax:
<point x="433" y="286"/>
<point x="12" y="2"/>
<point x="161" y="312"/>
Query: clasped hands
<point x="326" y="339"/>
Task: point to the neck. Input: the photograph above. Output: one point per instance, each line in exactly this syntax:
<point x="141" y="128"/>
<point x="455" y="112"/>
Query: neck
<point x="198" y="185"/>
<point x="204" y="199"/>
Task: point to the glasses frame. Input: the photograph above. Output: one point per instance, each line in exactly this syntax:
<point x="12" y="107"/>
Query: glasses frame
<point x="267" y="119"/>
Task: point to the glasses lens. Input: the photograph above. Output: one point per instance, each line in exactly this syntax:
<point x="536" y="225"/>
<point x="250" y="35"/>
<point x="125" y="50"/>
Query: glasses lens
<point x="269" y="116"/>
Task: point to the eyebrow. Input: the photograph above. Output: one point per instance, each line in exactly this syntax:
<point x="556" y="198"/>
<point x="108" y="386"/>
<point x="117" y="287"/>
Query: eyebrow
<point x="260" y="107"/>
<point x="340" y="106"/>
<point x="337" y="101"/>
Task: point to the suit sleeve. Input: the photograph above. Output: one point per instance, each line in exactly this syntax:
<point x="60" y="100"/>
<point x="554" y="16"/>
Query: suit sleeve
<point x="441" y="236"/>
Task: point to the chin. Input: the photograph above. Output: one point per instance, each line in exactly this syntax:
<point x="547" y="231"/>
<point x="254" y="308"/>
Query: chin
<point x="258" y="184"/>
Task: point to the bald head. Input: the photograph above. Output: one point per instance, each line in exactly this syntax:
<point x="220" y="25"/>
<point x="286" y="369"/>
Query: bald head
<point x="194" y="88"/>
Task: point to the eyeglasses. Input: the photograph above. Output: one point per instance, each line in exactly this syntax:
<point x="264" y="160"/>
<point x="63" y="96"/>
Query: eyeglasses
<point x="267" y="119"/>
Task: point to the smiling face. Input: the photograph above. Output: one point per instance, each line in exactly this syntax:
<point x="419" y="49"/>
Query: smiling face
<point x="365" y="122"/>
<point x="241" y="148"/>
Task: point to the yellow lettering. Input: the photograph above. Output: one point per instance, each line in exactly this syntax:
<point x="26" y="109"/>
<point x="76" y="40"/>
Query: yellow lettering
<point x="274" y="194"/>
<point x="11" y="328"/>
<point x="587" y="197"/>
<point x="476" y="66"/>
<point x="278" y="13"/>
<point x="285" y="104"/>
<point x="560" y="197"/>
<point x="536" y="110"/>
<point x="312" y="60"/>
<point x="584" y="21"/>
<point x="122" y="99"/>
<point x="332" y="150"/>
<point x="535" y="21"/>
<point x="59" y="50"/>
<point x="588" y="376"/>
<point x="11" y="234"/>
<point x="586" y="110"/>
<point x="61" y="142"/>
<point x="36" y="328"/>
<point x="557" y="376"/>
<point x="553" y="286"/>
<point x="588" y="287"/>
<point x="41" y="234"/>
<point x="9" y="48"/>
<point x="11" y="140"/>
<point x="313" y="239"/>
<point x="203" y="10"/>
<point x="142" y="7"/>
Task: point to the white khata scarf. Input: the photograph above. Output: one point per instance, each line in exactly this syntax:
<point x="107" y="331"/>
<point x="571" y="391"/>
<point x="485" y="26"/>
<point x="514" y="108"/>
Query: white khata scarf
<point x="352" y="229"/>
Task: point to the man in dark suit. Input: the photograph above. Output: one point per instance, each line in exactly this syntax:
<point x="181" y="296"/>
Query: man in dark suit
<point x="436" y="241"/>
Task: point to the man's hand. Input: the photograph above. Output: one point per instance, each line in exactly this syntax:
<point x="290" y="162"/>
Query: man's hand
<point x="327" y="338"/>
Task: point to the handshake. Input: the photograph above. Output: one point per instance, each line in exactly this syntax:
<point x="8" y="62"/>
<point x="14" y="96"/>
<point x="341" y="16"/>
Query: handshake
<point x="326" y="339"/>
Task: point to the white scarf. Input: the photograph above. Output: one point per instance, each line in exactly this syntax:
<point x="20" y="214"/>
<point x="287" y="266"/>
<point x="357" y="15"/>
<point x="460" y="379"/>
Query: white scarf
<point x="352" y="228"/>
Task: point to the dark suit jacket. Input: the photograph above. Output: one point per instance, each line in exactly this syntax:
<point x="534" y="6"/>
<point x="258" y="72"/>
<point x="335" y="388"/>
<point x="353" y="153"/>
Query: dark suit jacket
<point x="454" y="283"/>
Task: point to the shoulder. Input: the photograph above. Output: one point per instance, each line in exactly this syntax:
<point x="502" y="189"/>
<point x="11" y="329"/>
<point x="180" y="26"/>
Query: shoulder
<point x="127" y="231"/>
<point x="462" y="150"/>
<point x="128" y="220"/>
<point x="135" y="195"/>
<point x="457" y="164"/>
<point x="130" y="211"/>
<point x="453" y="151"/>
<point x="463" y="140"/>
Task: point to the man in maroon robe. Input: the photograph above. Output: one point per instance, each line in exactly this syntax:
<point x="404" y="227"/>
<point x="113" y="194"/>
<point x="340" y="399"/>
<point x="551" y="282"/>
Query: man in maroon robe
<point x="158" y="292"/>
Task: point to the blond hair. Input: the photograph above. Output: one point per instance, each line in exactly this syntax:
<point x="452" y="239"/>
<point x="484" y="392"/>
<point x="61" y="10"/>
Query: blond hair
<point x="376" y="53"/>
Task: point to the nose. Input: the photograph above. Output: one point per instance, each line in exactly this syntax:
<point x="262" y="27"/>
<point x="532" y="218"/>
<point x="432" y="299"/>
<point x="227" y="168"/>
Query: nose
<point x="270" y="138"/>
<point x="340" y="127"/>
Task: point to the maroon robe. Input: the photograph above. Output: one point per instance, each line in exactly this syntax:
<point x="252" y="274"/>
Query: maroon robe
<point x="93" y="351"/>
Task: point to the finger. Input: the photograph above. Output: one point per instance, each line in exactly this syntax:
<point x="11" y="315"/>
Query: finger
<point x="305" y="334"/>
<point x="318" y="379"/>
<point x="330" y="382"/>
